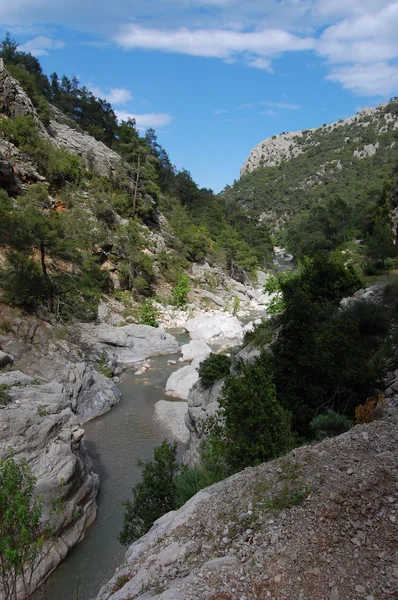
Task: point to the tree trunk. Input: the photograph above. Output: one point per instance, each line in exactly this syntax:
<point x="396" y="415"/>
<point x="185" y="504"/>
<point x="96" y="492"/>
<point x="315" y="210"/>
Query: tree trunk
<point x="135" y="194"/>
<point x="50" y="291"/>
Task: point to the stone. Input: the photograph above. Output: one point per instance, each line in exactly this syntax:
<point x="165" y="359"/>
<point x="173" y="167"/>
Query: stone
<point x="194" y="349"/>
<point x="171" y="416"/>
<point x="220" y="329"/>
<point x="180" y="383"/>
<point x="5" y="359"/>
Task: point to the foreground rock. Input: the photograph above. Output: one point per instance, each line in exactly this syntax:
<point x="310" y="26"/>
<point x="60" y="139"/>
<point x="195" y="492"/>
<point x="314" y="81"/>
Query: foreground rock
<point x="320" y="523"/>
<point x="171" y="416"/>
<point x="56" y="385"/>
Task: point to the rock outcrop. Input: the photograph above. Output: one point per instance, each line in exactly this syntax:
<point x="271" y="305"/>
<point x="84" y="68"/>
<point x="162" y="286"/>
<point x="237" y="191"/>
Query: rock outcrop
<point x="286" y="146"/>
<point x="321" y="522"/>
<point x="60" y="131"/>
<point x="55" y="386"/>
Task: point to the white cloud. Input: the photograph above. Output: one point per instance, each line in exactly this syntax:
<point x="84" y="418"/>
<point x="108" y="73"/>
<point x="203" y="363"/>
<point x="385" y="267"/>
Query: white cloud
<point x="221" y="111"/>
<point x="216" y="43"/>
<point x="261" y="63"/>
<point x="367" y="80"/>
<point x="116" y="96"/>
<point x="145" y="120"/>
<point x="355" y="38"/>
<point x="41" y="45"/>
<point x="269" y="112"/>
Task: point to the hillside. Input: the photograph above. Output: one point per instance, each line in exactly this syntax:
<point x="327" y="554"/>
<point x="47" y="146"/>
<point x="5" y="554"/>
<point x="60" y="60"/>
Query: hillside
<point x="292" y="172"/>
<point x="320" y="523"/>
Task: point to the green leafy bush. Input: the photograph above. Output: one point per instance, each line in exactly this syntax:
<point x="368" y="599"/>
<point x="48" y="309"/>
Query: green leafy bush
<point x="214" y="367"/>
<point x="153" y="496"/>
<point x="148" y="314"/>
<point x="22" y="281"/>
<point x="4" y="395"/>
<point x="329" y="424"/>
<point x="179" y="294"/>
<point x="256" y="426"/>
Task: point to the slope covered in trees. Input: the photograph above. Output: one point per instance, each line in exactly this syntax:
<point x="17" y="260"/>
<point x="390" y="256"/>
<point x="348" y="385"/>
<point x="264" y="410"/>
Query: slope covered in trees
<point x="321" y="180"/>
<point x="78" y="220"/>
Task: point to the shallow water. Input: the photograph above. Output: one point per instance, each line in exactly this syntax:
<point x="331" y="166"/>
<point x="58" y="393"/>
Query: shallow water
<point x="115" y="441"/>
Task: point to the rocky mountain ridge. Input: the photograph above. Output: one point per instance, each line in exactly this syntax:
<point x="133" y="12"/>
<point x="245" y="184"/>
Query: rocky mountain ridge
<point x="286" y="146"/>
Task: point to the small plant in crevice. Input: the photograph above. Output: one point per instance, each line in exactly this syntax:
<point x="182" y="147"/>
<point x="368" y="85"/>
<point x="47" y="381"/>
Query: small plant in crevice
<point x="4" y="395"/>
<point x="103" y="364"/>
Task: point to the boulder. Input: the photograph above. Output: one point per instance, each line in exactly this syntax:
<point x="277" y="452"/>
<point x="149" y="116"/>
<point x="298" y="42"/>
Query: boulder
<point x="171" y="416"/>
<point x="181" y="381"/>
<point x="5" y="359"/>
<point x="127" y="345"/>
<point x="220" y="329"/>
<point x="195" y="348"/>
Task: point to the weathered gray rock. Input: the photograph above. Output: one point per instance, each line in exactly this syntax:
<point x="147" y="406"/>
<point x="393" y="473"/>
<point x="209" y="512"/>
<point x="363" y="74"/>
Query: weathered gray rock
<point x="219" y="329"/>
<point x="225" y="542"/>
<point x="202" y="404"/>
<point x="5" y="359"/>
<point x="95" y="154"/>
<point x="129" y="344"/>
<point x="180" y="383"/>
<point x="195" y="348"/>
<point x="171" y="416"/>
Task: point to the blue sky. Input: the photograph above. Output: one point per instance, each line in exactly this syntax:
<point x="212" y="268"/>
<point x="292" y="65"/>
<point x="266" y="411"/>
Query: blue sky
<point x="215" y="77"/>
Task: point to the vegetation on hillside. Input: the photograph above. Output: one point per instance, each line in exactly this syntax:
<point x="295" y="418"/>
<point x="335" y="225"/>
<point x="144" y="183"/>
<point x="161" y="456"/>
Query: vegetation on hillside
<point x="111" y="213"/>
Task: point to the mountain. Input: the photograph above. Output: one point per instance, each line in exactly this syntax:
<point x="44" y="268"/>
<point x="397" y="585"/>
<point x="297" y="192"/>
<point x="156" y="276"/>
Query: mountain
<point x="291" y="172"/>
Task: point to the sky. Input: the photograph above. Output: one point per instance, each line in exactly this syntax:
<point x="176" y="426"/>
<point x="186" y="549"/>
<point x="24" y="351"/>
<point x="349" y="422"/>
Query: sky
<point x="215" y="77"/>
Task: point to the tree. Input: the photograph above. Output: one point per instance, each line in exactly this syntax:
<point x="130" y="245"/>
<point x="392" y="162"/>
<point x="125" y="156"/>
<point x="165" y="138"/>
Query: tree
<point x="154" y="495"/>
<point x="8" y="48"/>
<point x="256" y="427"/>
<point x="22" y="535"/>
<point x="380" y="243"/>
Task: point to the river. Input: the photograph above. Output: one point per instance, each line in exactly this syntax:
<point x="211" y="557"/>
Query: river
<point x="115" y="441"/>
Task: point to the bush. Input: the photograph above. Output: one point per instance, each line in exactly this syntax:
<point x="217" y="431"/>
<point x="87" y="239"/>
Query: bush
<point x="329" y="424"/>
<point x="216" y="366"/>
<point x="153" y="496"/>
<point x="148" y="315"/>
<point x="260" y="335"/>
<point x="4" y="395"/>
<point x="22" y="282"/>
<point x="180" y="292"/>
<point x="188" y="483"/>
<point x="256" y="427"/>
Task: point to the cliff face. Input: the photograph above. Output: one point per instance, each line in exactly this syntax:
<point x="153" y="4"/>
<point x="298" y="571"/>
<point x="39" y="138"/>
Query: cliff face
<point x="286" y="146"/>
<point x="15" y="102"/>
<point x="321" y="522"/>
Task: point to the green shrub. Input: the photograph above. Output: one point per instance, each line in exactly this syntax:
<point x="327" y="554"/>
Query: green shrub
<point x="179" y="293"/>
<point x="188" y="483"/>
<point x="148" y="314"/>
<point x="153" y="496"/>
<point x="4" y="395"/>
<point x="22" y="281"/>
<point x="256" y="427"/>
<point x="214" y="367"/>
<point x="260" y="335"/>
<point x="329" y="424"/>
